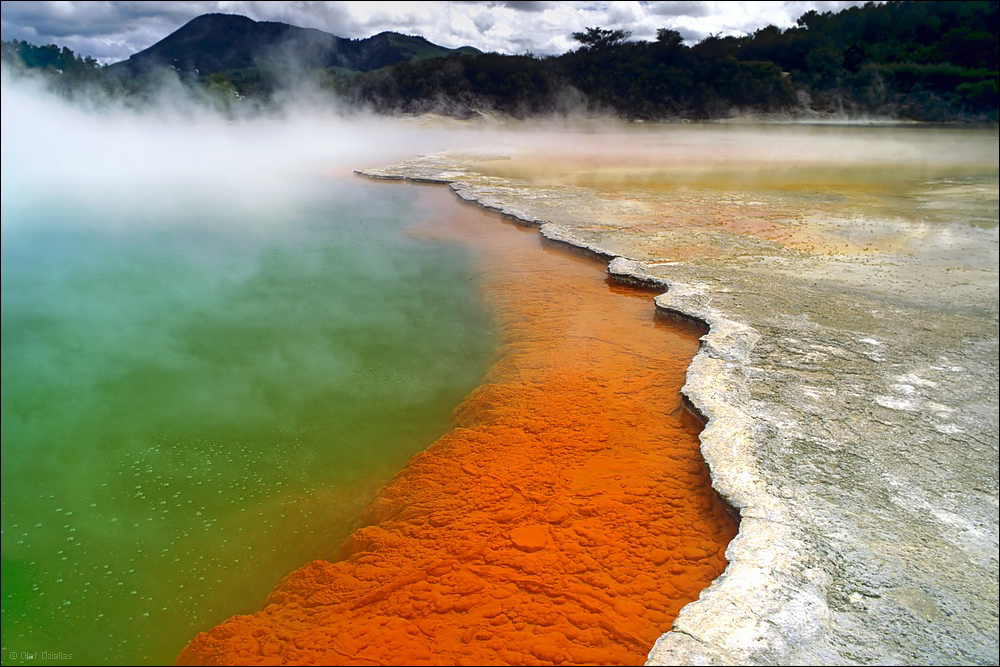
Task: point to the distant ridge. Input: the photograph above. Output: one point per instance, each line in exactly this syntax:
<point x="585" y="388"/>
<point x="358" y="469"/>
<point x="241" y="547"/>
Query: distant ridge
<point x="925" y="61"/>
<point x="227" y="42"/>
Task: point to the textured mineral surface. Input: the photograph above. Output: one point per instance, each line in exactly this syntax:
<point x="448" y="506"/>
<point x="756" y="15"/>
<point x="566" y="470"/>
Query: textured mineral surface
<point x="849" y="379"/>
<point x="566" y="518"/>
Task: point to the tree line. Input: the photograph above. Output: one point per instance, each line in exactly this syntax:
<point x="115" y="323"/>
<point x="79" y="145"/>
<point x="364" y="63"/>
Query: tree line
<point x="928" y="61"/>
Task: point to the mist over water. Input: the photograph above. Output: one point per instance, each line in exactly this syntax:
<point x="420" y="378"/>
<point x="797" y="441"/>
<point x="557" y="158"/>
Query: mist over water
<point x="217" y="344"/>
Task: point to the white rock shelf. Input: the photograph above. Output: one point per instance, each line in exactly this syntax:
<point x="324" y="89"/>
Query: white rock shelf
<point x="852" y="421"/>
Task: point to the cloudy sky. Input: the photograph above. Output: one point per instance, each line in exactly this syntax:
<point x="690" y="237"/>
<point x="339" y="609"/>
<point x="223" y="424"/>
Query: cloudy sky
<point x="111" y="31"/>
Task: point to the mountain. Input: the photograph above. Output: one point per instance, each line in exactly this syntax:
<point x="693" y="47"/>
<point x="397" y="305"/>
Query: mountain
<point x="229" y="43"/>
<point x="927" y="61"/>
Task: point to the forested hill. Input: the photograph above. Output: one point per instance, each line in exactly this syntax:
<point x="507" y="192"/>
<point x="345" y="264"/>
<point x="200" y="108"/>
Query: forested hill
<point x="931" y="61"/>
<point x="239" y="46"/>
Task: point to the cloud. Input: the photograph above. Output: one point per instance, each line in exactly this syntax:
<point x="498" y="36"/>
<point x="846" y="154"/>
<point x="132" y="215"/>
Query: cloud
<point x="526" y="6"/>
<point x="113" y="31"/>
<point x="694" y="9"/>
<point x="697" y="20"/>
<point x="106" y="30"/>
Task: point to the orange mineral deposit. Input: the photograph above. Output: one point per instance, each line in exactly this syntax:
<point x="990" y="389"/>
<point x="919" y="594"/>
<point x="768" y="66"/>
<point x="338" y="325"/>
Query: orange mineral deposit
<point x="566" y="517"/>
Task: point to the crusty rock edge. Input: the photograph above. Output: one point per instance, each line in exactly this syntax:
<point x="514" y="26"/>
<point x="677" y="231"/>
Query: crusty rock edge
<point x="725" y="625"/>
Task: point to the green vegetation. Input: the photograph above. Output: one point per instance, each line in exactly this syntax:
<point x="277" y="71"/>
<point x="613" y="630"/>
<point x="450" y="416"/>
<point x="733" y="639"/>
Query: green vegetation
<point x="65" y="70"/>
<point x="930" y="61"/>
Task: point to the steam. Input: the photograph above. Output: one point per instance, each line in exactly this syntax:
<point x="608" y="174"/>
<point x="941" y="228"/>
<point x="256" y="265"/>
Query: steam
<point x="112" y="320"/>
<point x="180" y="148"/>
<point x="203" y="312"/>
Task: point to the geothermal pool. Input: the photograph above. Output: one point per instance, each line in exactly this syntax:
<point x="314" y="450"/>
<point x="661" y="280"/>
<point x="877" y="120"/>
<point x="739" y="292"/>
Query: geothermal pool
<point x="196" y="403"/>
<point x="211" y="368"/>
<point x="567" y="517"/>
<point x="213" y="372"/>
<point x="850" y="275"/>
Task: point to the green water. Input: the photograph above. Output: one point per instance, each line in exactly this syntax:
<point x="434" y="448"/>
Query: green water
<point x="196" y="401"/>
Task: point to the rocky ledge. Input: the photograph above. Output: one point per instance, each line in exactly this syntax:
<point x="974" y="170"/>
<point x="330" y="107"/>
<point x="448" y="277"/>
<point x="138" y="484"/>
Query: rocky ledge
<point x="851" y="406"/>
